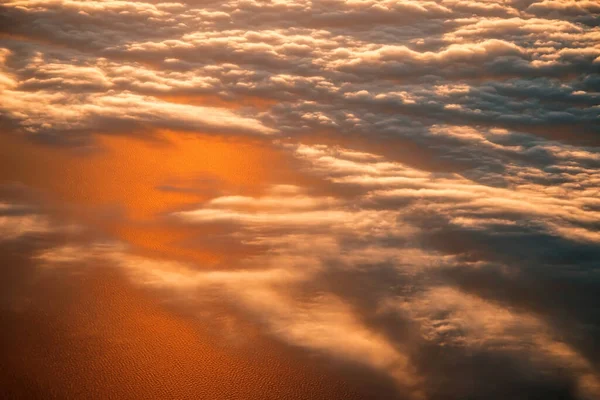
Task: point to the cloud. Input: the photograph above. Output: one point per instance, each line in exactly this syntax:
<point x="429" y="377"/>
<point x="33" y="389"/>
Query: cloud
<point x="323" y="64"/>
<point x="12" y="227"/>
<point x="56" y="114"/>
<point x="451" y="318"/>
<point x="283" y="287"/>
<point x="444" y="202"/>
<point x="318" y="251"/>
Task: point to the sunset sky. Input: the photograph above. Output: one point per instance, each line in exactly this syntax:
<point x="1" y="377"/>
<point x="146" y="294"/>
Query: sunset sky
<point x="298" y="200"/>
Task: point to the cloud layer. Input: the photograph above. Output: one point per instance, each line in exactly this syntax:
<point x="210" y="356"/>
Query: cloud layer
<point x="440" y="228"/>
<point x="396" y="265"/>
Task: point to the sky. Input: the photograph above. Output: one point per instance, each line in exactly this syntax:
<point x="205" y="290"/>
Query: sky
<point x="295" y="199"/>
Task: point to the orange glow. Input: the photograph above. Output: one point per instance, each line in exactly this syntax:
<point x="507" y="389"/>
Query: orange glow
<point x="130" y="172"/>
<point x="141" y="179"/>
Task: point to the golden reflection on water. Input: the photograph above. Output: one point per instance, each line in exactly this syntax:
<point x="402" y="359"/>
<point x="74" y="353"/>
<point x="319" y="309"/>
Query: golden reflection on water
<point x="129" y="172"/>
<point x="94" y="336"/>
<point x="125" y="185"/>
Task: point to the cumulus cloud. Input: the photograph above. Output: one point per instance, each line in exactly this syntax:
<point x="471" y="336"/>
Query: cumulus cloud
<point x="321" y="61"/>
<point x="451" y="318"/>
